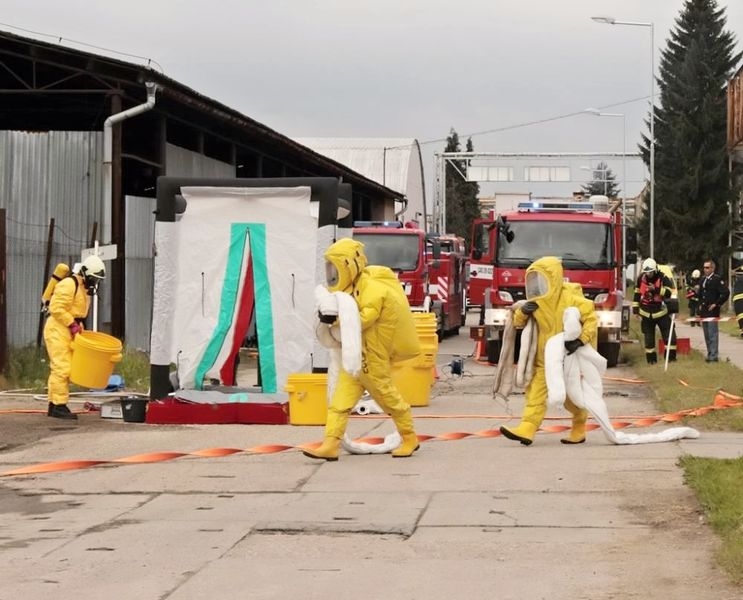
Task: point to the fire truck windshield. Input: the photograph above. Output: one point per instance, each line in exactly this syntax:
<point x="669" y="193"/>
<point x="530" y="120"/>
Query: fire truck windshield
<point x="580" y="245"/>
<point x="397" y="251"/>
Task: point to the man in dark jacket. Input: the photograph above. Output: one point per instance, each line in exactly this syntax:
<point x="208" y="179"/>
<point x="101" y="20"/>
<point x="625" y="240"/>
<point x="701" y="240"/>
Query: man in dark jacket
<point x="653" y="288"/>
<point x="713" y="294"/>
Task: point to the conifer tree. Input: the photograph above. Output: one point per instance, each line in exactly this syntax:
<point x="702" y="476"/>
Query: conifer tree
<point x="692" y="188"/>
<point x="462" y="205"/>
<point x="603" y="183"/>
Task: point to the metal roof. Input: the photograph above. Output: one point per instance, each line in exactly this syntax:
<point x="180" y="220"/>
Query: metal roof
<point x="130" y="78"/>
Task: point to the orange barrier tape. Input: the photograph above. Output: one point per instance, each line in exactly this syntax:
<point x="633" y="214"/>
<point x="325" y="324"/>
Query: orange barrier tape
<point x="36" y="411"/>
<point x="722" y="400"/>
<point x="371" y="417"/>
<point x="624" y="379"/>
<point x="693" y="387"/>
<point x="707" y="319"/>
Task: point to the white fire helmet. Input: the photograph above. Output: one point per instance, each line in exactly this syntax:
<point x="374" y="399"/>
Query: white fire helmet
<point x="93" y="271"/>
<point x="649" y="266"/>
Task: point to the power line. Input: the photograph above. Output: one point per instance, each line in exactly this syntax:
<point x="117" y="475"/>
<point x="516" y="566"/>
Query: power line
<point x="59" y="39"/>
<point x="537" y="122"/>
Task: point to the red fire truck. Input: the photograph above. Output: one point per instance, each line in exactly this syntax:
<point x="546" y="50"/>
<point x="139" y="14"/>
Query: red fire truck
<point x="432" y="269"/>
<point x="588" y="238"/>
<point x="448" y="280"/>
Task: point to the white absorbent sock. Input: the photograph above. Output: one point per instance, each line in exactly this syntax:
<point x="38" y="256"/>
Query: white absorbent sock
<point x="343" y="341"/>
<point x="578" y="377"/>
<point x="367" y="406"/>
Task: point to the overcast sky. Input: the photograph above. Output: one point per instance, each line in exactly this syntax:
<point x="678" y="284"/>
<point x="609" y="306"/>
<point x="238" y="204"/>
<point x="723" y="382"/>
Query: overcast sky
<point x="394" y="68"/>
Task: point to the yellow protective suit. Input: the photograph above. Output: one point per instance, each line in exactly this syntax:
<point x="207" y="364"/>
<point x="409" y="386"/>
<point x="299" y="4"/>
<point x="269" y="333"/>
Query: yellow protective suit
<point x="556" y="295"/>
<point x="70" y="302"/>
<point x="387" y="333"/>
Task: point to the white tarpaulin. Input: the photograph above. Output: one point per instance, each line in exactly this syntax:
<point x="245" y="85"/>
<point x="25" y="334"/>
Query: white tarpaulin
<point x="233" y="244"/>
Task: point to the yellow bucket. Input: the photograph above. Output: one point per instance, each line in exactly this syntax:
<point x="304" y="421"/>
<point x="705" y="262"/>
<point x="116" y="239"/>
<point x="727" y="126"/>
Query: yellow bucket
<point x="308" y="398"/>
<point x="415" y="377"/>
<point x="413" y="383"/>
<point x="93" y="357"/>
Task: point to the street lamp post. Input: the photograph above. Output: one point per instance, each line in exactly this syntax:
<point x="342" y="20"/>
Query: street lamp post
<point x="598" y="113"/>
<point x="613" y="21"/>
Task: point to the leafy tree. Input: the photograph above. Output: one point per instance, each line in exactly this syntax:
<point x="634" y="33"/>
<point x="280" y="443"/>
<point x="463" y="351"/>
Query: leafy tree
<point x="692" y="188"/>
<point x="604" y="182"/>
<point x="462" y="205"/>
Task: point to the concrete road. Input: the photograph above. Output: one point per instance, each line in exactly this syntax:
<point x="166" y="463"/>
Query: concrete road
<point x="471" y="515"/>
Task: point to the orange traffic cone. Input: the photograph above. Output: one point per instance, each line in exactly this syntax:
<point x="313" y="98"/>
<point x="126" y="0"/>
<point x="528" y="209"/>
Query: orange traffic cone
<point x="480" y="350"/>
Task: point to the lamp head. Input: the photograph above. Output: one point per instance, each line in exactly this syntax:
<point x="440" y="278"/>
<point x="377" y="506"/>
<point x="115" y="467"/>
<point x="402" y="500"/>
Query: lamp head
<point x="604" y="19"/>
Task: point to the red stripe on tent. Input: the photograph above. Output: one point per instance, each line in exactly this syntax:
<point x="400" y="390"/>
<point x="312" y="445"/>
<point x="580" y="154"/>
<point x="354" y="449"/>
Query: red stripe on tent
<point x="245" y="313"/>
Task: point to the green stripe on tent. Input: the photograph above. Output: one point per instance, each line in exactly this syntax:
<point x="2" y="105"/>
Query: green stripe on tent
<point x="263" y="313"/>
<point x="255" y="235"/>
<point x="227" y="303"/>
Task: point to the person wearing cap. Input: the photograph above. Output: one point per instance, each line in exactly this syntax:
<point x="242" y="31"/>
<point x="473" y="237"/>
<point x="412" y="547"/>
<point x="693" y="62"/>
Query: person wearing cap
<point x="652" y="289"/>
<point x="692" y="295"/>
<point x="68" y="308"/>
<point x="712" y="295"/>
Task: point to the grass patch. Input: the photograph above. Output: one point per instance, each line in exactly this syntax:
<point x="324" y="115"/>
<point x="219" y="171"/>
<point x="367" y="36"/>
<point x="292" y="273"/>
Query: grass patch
<point x="730" y="328"/>
<point x="28" y="369"/>
<point x="717" y="484"/>
<point x="135" y="369"/>
<point x="704" y="380"/>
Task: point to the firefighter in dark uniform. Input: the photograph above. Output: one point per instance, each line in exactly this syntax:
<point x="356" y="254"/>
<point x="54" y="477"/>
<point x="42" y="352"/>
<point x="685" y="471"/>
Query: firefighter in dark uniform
<point x="738" y="297"/>
<point x="692" y="295"/>
<point x="653" y="288"/>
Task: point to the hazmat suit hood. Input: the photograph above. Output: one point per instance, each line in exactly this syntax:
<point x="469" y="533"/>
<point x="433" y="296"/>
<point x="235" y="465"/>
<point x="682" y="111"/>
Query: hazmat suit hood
<point x="344" y="261"/>
<point x="544" y="279"/>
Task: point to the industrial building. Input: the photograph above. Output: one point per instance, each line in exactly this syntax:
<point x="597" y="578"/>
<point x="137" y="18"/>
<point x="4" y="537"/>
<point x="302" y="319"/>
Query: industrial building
<point x="83" y="139"/>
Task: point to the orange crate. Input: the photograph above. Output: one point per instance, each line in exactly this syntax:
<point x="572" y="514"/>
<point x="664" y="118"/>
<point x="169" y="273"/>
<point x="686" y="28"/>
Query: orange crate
<point x="683" y="346"/>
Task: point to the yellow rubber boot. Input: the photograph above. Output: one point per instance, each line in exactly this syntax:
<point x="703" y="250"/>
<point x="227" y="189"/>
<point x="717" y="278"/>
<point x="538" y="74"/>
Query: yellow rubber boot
<point x="523" y="433"/>
<point x="577" y="433"/>
<point x="531" y="419"/>
<point x="409" y="445"/>
<point x="328" y="450"/>
<point x="404" y="424"/>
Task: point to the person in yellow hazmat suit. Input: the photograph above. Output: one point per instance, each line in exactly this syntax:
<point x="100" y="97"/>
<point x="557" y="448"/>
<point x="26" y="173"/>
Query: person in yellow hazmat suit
<point x="548" y="295"/>
<point x="387" y="333"/>
<point x="68" y="308"/>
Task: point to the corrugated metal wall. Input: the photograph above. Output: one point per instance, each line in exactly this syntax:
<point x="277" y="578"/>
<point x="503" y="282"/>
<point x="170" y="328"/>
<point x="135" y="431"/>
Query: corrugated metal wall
<point x="185" y="163"/>
<point x="58" y="174"/>
<point x="54" y="174"/>
<point x="140" y="240"/>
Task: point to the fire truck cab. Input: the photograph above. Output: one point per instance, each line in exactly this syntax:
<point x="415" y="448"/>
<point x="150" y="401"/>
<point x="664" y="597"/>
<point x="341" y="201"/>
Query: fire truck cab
<point x="587" y="236"/>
